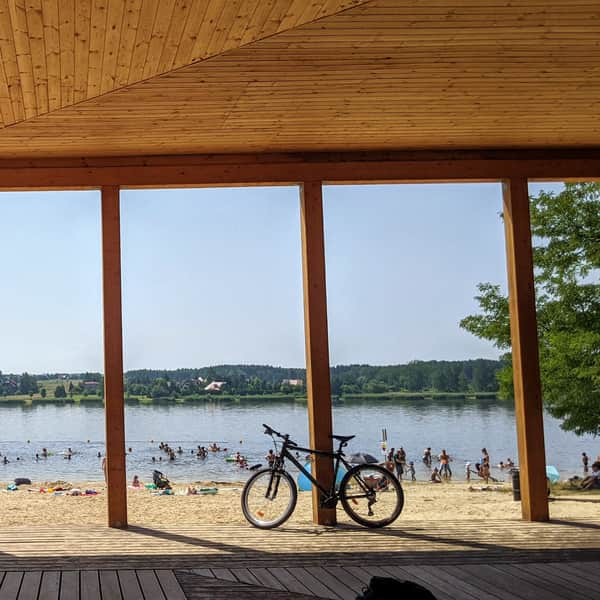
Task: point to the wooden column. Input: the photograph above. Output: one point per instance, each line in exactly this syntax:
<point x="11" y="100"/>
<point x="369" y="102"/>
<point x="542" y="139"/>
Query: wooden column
<point x="526" y="369"/>
<point x="317" y="343"/>
<point x="113" y="359"/>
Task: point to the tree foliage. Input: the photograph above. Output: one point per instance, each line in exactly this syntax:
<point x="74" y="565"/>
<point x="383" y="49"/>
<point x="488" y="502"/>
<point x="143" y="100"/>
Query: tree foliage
<point x="566" y="238"/>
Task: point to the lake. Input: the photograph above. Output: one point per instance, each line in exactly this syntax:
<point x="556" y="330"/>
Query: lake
<point x="462" y="428"/>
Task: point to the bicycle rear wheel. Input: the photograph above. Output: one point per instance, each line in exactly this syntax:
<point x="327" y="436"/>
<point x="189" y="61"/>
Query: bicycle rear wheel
<point x="269" y="498"/>
<point x="371" y="495"/>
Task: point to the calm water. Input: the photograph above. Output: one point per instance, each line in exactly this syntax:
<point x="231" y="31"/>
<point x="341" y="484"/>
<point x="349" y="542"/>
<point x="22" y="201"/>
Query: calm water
<point x="462" y="428"/>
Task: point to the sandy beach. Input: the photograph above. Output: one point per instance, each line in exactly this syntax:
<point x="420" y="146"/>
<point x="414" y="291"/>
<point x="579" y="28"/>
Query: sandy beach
<point x="423" y="501"/>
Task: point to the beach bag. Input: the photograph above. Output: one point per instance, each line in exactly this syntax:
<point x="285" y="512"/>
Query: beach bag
<point x="388" y="588"/>
<point x="22" y="481"/>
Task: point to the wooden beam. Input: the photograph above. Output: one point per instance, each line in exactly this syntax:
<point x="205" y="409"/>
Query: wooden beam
<point x="317" y="343"/>
<point x="526" y="370"/>
<point x="116" y="477"/>
<point x="282" y="169"/>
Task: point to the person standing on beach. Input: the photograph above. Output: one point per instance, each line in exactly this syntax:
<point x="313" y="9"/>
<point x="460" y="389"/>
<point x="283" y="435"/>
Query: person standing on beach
<point x="445" y="470"/>
<point x="585" y="459"/>
<point x="411" y="471"/>
<point x="399" y="463"/>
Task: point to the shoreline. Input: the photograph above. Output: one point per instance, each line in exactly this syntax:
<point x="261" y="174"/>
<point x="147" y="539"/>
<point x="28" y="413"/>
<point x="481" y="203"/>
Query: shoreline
<point x="422" y="501"/>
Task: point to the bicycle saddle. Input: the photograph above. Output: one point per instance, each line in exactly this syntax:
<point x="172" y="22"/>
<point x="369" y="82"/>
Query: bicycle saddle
<point x="342" y="438"/>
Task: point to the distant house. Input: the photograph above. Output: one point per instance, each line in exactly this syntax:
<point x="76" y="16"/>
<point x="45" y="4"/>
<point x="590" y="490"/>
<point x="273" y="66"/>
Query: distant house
<point x="293" y="382"/>
<point x="201" y="380"/>
<point x="90" y="386"/>
<point x="215" y="386"/>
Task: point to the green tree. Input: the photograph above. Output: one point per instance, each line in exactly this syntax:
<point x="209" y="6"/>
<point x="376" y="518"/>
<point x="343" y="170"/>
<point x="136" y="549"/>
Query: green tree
<point x="566" y="238"/>
<point x="43" y="392"/>
<point x="60" y="391"/>
<point x="28" y="384"/>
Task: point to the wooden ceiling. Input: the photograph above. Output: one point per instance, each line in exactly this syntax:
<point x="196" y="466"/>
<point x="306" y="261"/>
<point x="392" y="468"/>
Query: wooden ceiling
<point x="228" y="76"/>
<point x="59" y="52"/>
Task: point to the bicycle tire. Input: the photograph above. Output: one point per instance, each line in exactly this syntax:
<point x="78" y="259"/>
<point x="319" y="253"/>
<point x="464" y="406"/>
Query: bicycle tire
<point x="364" y="492"/>
<point x="253" y="514"/>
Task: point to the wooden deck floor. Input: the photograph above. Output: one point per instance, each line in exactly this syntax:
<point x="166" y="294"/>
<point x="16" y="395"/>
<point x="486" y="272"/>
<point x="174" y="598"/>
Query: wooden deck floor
<point x="455" y="560"/>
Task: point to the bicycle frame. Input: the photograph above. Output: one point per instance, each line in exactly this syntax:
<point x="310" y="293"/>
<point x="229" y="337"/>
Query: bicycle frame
<point x="338" y="457"/>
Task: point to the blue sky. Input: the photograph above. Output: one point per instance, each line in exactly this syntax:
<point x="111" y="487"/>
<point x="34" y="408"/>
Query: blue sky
<point x="214" y="276"/>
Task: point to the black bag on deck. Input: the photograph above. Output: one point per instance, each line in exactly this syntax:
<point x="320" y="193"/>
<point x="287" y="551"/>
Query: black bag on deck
<point x="387" y="588"/>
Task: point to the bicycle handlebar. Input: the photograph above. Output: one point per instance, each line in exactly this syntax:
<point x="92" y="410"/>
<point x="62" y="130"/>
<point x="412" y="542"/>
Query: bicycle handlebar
<point x="271" y="431"/>
<point x="283" y="436"/>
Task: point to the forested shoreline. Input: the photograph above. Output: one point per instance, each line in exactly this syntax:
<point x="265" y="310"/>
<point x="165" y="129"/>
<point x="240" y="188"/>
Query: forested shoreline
<point x="417" y="379"/>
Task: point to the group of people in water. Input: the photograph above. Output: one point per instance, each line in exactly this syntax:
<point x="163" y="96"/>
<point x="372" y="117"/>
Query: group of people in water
<point x="396" y="462"/>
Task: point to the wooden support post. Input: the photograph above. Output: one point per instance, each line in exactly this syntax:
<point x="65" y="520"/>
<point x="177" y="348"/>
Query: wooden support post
<point x="317" y="344"/>
<point x="116" y="477"/>
<point x="526" y="369"/>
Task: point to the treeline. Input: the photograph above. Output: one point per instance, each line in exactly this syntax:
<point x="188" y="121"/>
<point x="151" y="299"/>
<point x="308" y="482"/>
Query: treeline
<point x="466" y="376"/>
<point x="417" y="376"/>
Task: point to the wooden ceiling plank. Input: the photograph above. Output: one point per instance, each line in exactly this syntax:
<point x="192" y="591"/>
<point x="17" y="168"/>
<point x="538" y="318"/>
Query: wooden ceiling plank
<point x="311" y="11"/>
<point x="190" y="34"/>
<point x="23" y="54"/>
<point x="162" y="21"/>
<point x="6" y="109"/>
<point x="222" y="27"/>
<point x="66" y="15"/>
<point x="257" y="22"/>
<point x="131" y="20"/>
<point x="98" y="22"/>
<point x="112" y="42"/>
<point x="142" y="39"/>
<point x="35" y="26"/>
<point x="275" y="18"/>
<point x="236" y="33"/>
<point x="181" y="13"/>
<point x="293" y="14"/>
<point x="83" y="16"/>
<point x="10" y="67"/>
<point x="51" y="21"/>
<point x="211" y="16"/>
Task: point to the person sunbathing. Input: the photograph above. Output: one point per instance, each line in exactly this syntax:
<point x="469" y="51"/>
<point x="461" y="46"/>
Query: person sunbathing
<point x="592" y="482"/>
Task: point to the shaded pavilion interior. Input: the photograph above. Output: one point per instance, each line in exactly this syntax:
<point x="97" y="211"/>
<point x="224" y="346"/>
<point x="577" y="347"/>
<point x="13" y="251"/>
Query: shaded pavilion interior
<point x="116" y="94"/>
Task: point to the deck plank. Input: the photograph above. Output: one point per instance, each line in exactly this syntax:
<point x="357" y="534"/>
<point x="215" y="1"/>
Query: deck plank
<point x="169" y="584"/>
<point x="289" y="581"/>
<point x="418" y="576"/>
<point x="30" y="585"/>
<point x="333" y="583"/>
<point x="586" y="590"/>
<point x="130" y="586"/>
<point x="90" y="585"/>
<point x="266" y="579"/>
<point x="10" y="585"/>
<point x="316" y="587"/>
<point x="69" y="585"/>
<point x="50" y="586"/>
<point x="109" y="586"/>
<point x="573" y="571"/>
<point x="551" y="589"/>
<point x="243" y="575"/>
<point x="150" y="587"/>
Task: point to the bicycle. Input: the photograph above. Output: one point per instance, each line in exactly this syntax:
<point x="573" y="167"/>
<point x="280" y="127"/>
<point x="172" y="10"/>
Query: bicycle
<point x="370" y="495"/>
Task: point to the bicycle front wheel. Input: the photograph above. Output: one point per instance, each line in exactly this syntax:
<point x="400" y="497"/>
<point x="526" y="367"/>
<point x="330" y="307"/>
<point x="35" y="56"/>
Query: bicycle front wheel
<point x="371" y="495"/>
<point x="269" y="498"/>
